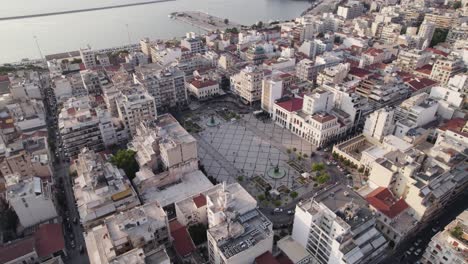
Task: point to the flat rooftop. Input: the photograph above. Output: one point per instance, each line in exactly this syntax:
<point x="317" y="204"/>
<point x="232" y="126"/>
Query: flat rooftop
<point x="295" y="251"/>
<point x="341" y="199"/>
<point x="242" y="233"/>
<point x="191" y="184"/>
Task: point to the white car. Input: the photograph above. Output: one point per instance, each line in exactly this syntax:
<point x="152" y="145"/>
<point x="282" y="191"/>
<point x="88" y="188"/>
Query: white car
<point x="278" y="210"/>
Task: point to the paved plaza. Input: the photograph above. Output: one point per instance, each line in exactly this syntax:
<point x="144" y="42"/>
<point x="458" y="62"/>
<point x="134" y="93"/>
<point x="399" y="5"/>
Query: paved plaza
<point x="250" y="148"/>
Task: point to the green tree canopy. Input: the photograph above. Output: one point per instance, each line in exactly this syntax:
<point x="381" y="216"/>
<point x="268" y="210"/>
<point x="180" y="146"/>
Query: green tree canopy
<point x="318" y="167"/>
<point x="323" y="178"/>
<point x="125" y="160"/>
<point x="440" y="35"/>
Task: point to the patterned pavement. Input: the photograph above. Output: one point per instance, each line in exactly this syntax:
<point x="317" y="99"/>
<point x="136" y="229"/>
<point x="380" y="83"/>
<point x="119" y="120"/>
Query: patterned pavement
<point x="251" y="147"/>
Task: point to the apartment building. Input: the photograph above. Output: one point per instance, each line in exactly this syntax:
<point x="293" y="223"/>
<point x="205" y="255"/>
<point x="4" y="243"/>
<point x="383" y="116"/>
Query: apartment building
<point x="27" y="157"/>
<point x="380" y="123"/>
<point x="193" y="43"/>
<point x="337" y="227"/>
<point x="166" y="85"/>
<point x="350" y="10"/>
<point x="273" y="88"/>
<point x="393" y="218"/>
<point x="414" y="112"/>
<point x="446" y="68"/>
<point x="26" y="85"/>
<point x="412" y="60"/>
<point x="309" y="70"/>
<point x="46" y="246"/>
<point x="426" y="192"/>
<point x="100" y="188"/>
<point x="237" y="231"/>
<point x="426" y="31"/>
<point x="457" y="33"/>
<point x="93" y="81"/>
<point x="248" y="84"/>
<point x="88" y="57"/>
<point x="78" y="125"/>
<point x="134" y="108"/>
<point x="390" y="33"/>
<point x="442" y="20"/>
<point x="334" y="75"/>
<point x="31" y="198"/>
<point x="144" y="229"/>
<point x="449" y="245"/>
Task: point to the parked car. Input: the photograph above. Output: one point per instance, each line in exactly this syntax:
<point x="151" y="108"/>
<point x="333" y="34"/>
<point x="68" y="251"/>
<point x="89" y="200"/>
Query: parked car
<point x="291" y="212"/>
<point x="278" y="210"/>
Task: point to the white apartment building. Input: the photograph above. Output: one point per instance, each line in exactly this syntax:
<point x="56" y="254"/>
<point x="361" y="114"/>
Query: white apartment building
<point x="144" y="228"/>
<point x="425" y="192"/>
<point x="25" y="85"/>
<point x="272" y="90"/>
<point x="351" y="10"/>
<point x="380" y="123"/>
<point x="237" y="231"/>
<point x="456" y="33"/>
<point x="203" y="88"/>
<point x="166" y="153"/>
<point x="248" y="84"/>
<point x="415" y="111"/>
<point x="449" y="245"/>
<point x="426" y="31"/>
<point x="78" y="125"/>
<point x="100" y="188"/>
<point x="334" y="75"/>
<point x="309" y="70"/>
<point x="31" y="198"/>
<point x="93" y="81"/>
<point x="193" y="43"/>
<point x="134" y="108"/>
<point x="413" y="59"/>
<point x="446" y="68"/>
<point x="337" y="227"/>
<point x="88" y="57"/>
<point x="136" y="58"/>
<point x="390" y="33"/>
<point x="166" y="85"/>
<point x="26" y="157"/>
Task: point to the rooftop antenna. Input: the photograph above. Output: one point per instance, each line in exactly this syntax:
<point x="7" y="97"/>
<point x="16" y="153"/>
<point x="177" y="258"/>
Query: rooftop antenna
<point x="38" y="48"/>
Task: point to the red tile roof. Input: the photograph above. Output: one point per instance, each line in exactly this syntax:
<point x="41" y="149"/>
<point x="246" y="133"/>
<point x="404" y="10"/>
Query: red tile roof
<point x="420" y="83"/>
<point x="49" y="239"/>
<point x="71" y="111"/>
<point x="373" y="51"/>
<point x="384" y="201"/>
<point x="436" y="51"/>
<point x="266" y="258"/>
<point x="199" y="200"/>
<point x="14" y="250"/>
<point x="283" y="259"/>
<point x="426" y="69"/>
<point x="359" y="72"/>
<point x="455" y="125"/>
<point x="183" y="243"/>
<point x="4" y="78"/>
<point x="322" y="118"/>
<point x="198" y="83"/>
<point x="291" y="105"/>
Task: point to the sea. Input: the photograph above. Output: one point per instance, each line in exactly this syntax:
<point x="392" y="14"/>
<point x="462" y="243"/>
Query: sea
<point x="116" y="27"/>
